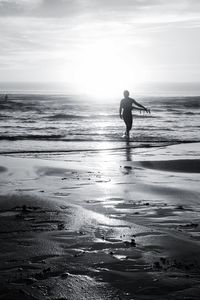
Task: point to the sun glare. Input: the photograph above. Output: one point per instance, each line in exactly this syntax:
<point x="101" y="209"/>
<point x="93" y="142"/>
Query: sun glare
<point x="104" y="69"/>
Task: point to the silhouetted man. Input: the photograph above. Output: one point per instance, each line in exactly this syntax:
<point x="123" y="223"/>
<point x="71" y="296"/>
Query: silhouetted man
<point x="125" y="111"/>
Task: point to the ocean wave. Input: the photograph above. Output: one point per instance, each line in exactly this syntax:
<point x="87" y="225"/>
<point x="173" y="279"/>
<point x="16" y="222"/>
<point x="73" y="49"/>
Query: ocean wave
<point x="32" y="137"/>
<point x="22" y="106"/>
<point x="191" y="103"/>
<point x="3" y="117"/>
<point x="190" y="113"/>
<point x="173" y="110"/>
<point x="181" y="102"/>
<point x="98" y="148"/>
<point x="181" y="112"/>
<point x="61" y="116"/>
<point x="50" y="121"/>
<point x="144" y="116"/>
<point x="95" y="138"/>
<point x="153" y="129"/>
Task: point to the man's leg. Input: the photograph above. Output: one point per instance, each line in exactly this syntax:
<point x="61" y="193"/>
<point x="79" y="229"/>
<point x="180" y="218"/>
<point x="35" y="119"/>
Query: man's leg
<point x="128" y="122"/>
<point x="127" y="131"/>
<point x="128" y="126"/>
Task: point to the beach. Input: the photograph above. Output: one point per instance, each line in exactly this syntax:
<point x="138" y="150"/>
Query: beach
<point x="99" y="150"/>
<point x="106" y="224"/>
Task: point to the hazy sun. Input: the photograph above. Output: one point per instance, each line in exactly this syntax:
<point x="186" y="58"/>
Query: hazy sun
<point x="105" y="69"/>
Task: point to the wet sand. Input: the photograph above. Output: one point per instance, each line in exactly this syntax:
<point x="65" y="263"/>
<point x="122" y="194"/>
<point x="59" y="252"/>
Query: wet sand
<point x="101" y="225"/>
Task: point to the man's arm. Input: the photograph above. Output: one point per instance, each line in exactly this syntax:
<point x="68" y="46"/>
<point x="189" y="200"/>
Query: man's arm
<point x="140" y="105"/>
<point x="120" y="110"/>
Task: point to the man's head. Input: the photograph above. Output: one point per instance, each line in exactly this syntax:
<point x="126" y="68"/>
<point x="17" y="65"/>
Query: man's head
<point x="126" y="94"/>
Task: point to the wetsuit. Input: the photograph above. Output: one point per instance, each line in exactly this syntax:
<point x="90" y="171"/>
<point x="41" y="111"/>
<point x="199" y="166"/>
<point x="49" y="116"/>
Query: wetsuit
<point x="126" y="104"/>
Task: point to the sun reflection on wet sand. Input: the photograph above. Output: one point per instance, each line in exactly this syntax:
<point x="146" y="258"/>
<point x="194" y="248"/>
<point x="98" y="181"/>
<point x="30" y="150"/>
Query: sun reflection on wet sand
<point x="83" y="219"/>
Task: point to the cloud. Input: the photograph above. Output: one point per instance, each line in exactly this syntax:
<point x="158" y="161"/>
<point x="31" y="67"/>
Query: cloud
<point x="58" y="8"/>
<point x="52" y="34"/>
<point x="97" y="8"/>
<point x="17" y="7"/>
<point x="40" y="8"/>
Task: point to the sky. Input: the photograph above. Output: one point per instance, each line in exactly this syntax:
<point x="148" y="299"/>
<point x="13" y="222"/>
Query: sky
<point x="100" y="45"/>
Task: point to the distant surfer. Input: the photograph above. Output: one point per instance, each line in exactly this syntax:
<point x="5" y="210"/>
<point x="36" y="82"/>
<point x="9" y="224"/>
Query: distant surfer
<point x="6" y="97"/>
<point x="125" y="111"/>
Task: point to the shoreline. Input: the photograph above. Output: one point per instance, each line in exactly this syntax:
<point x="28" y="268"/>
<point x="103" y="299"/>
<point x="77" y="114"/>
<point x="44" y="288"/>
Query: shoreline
<point x="95" y="146"/>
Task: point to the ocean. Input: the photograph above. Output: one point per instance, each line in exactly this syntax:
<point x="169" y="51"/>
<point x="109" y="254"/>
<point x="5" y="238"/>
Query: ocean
<point x="36" y="123"/>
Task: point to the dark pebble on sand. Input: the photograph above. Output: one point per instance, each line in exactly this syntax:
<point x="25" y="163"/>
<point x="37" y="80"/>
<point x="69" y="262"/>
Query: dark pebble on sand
<point x="61" y="226"/>
<point x="132" y="243"/>
<point x="79" y="254"/>
<point x="81" y="232"/>
<point x="163" y="260"/>
<point x="24" y="208"/>
<point x="157" y="265"/>
<point x="172" y="276"/>
<point x="30" y="280"/>
<point x="47" y="270"/>
<point x="180" y="207"/>
<point x="43" y="262"/>
<point x="190" y="225"/>
<point x="64" y="275"/>
<point x="20" y="216"/>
